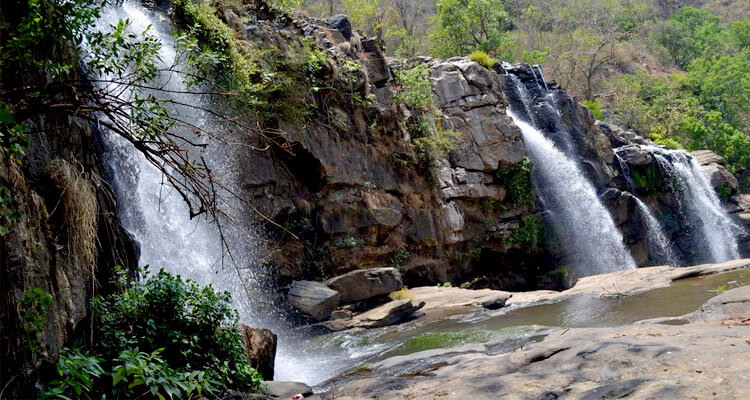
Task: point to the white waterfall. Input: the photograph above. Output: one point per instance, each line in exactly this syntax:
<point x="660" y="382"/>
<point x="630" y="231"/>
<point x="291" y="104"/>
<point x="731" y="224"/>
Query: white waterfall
<point x="583" y="225"/>
<point x="157" y="217"/>
<point x="659" y="246"/>
<point x="701" y="201"/>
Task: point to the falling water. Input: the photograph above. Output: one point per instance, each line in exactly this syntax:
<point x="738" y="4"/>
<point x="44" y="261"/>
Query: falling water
<point x="584" y="226"/>
<point x="659" y="246"/>
<point x="717" y="229"/>
<point x="158" y="219"/>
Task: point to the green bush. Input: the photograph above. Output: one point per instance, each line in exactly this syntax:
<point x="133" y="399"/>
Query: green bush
<point x="516" y="178"/>
<point x="160" y="336"/>
<point x="414" y="86"/>
<point x="531" y="233"/>
<point x="595" y="108"/>
<point x="482" y="59"/>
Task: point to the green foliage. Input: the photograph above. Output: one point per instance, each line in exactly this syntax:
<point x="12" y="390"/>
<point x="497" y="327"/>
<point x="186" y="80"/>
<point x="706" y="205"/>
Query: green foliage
<point x="516" y="179"/>
<point x="193" y="327"/>
<point x="399" y="260"/>
<point x="463" y="26"/>
<point x="8" y="211"/>
<point x="647" y="179"/>
<point x="684" y="110"/>
<point x="688" y="34"/>
<point x="33" y="308"/>
<point x="347" y="242"/>
<point x="724" y="192"/>
<point x="414" y="86"/>
<point x="595" y="108"/>
<point x="721" y="289"/>
<point x="78" y="372"/>
<point x="46" y="27"/>
<point x="13" y="138"/>
<point x="531" y="233"/>
<point x="535" y="57"/>
<point x="482" y="59"/>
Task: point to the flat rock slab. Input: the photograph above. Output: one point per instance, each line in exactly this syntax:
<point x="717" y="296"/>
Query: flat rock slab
<point x="388" y="314"/>
<point x="697" y="360"/>
<point x="627" y="283"/>
<point x="436" y="297"/>
<point x="366" y="283"/>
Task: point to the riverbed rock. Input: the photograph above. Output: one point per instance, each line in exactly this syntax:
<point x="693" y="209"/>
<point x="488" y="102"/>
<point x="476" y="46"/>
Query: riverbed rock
<point x="285" y="390"/>
<point x="313" y="298"/>
<point x="702" y="359"/>
<point x="364" y="284"/>
<point x="388" y="314"/>
<point x="260" y="349"/>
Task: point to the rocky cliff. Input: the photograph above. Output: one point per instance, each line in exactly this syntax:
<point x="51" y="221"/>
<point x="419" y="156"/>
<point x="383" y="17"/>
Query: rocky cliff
<point x="355" y="187"/>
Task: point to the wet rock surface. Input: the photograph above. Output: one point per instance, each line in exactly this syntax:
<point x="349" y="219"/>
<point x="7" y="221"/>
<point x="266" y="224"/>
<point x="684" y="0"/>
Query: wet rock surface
<point x="260" y="349"/>
<point x="704" y="358"/>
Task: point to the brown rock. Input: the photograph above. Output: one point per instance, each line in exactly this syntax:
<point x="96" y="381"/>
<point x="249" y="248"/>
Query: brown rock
<point x="260" y="349"/>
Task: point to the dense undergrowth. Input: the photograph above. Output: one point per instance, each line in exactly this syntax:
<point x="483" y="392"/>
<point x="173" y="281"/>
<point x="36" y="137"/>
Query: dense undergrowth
<point x="158" y="336"/>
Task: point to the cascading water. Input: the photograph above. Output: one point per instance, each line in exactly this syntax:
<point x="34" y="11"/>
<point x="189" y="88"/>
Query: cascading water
<point x="700" y="202"/>
<point x="659" y="246"/>
<point x="583" y="225"/>
<point x="158" y="219"/>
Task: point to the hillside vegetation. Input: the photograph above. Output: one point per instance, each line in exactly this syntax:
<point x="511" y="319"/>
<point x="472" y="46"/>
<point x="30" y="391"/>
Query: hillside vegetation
<point x="674" y="70"/>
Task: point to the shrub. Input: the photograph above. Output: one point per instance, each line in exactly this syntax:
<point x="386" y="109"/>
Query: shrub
<point x="595" y="108"/>
<point x="158" y="337"/>
<point x="482" y="59"/>
<point x="414" y="86"/>
<point x="531" y="233"/>
<point x="194" y="328"/>
<point x="516" y="178"/>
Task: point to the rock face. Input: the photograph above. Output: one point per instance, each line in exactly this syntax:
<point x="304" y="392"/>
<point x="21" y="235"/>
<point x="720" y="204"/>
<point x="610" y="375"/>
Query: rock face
<point x="313" y="298"/>
<point x="351" y="184"/>
<point x="66" y="239"/>
<point x="260" y="349"/>
<point x="365" y="284"/>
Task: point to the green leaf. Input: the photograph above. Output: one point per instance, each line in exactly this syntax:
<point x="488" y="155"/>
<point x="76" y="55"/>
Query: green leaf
<point x="5" y="116"/>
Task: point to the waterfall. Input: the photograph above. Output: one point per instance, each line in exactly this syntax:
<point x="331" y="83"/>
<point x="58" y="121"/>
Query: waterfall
<point x="585" y="228"/>
<point x="700" y="202"/>
<point x="659" y="246"/>
<point x="158" y="219"/>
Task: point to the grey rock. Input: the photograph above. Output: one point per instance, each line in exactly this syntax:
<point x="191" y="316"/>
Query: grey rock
<point x="341" y="23"/>
<point x="366" y="283"/>
<point x="313" y="298"/>
<point x="705" y="157"/>
<point x="387" y="314"/>
<point x="720" y="176"/>
<point x="285" y="390"/>
<point x="635" y="155"/>
<point x="341" y="314"/>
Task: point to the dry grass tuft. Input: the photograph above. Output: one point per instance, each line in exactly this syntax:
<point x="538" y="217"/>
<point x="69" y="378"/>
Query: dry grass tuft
<point x="80" y="213"/>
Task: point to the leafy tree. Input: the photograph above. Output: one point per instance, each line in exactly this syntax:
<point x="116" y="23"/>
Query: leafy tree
<point x="688" y="34"/>
<point x="462" y="26"/>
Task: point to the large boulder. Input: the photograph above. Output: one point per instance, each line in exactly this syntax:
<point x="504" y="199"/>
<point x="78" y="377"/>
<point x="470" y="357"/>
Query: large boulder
<point x="365" y="284"/>
<point x="341" y="23"/>
<point x="706" y="157"/>
<point x="313" y="298"/>
<point x="260" y="349"/>
<point x="721" y="177"/>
